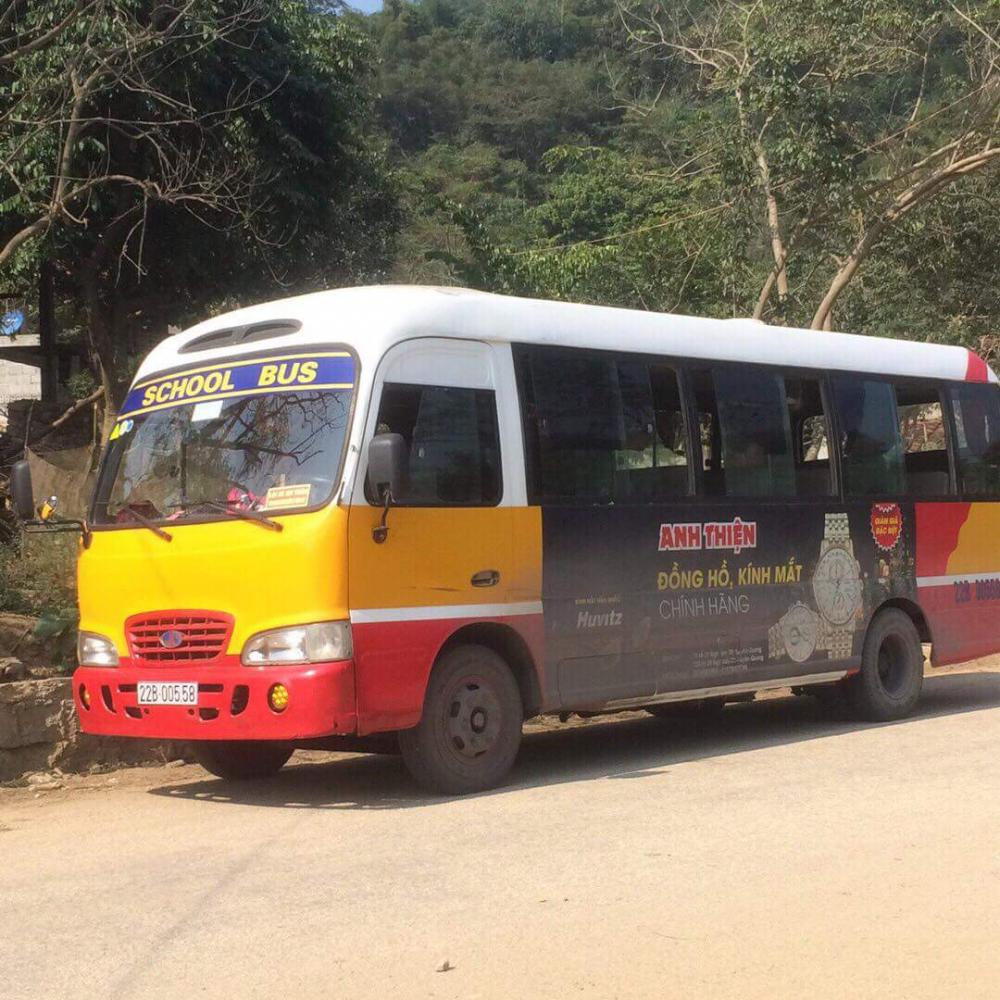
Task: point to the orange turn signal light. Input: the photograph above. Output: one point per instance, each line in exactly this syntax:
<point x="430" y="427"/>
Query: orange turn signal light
<point x="277" y="697"/>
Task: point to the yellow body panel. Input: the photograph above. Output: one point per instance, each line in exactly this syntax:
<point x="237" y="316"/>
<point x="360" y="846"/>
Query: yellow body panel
<point x="975" y="551"/>
<point x="430" y="555"/>
<point x="264" y="578"/>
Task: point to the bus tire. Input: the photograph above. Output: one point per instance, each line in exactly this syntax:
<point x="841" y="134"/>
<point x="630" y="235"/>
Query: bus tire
<point x="240" y="760"/>
<point x="470" y="730"/>
<point x="892" y="669"/>
<point x="698" y="710"/>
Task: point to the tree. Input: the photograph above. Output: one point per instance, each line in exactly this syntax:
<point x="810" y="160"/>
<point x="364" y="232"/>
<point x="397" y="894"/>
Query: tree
<point x="846" y="116"/>
<point x="168" y="154"/>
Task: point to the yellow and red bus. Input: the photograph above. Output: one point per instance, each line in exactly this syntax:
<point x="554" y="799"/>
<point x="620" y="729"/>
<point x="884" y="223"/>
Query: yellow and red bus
<point x="420" y="516"/>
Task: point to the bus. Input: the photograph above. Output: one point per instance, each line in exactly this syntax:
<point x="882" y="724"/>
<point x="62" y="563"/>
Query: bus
<point x="414" y="517"/>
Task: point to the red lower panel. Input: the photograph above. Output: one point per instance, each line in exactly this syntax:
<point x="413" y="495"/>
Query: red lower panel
<point x="938" y="528"/>
<point x="961" y="629"/>
<point x="232" y="702"/>
<point x="394" y="661"/>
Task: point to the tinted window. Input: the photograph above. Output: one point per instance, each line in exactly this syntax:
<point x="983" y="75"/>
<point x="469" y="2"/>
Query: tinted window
<point x="653" y="464"/>
<point x="451" y="435"/>
<point x="746" y="433"/>
<point x="600" y="429"/>
<point x="871" y="452"/>
<point x="810" y="432"/>
<point x="925" y="445"/>
<point x="977" y="437"/>
<point x="709" y="437"/>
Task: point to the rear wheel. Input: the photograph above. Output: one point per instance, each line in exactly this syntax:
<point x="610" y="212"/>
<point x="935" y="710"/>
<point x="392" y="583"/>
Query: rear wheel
<point x="892" y="669"/>
<point x="470" y="730"/>
<point x="237" y="760"/>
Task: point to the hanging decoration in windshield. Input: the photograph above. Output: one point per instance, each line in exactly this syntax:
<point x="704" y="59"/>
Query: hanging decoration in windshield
<point x="334" y="370"/>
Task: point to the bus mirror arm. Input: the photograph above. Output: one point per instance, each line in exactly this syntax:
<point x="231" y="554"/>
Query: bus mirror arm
<point x="387" y="467"/>
<point x="45" y="519"/>
<point x="381" y="531"/>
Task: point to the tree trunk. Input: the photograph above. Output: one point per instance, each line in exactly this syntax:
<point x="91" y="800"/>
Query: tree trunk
<point x="914" y="196"/>
<point x="773" y="224"/>
<point x="101" y="345"/>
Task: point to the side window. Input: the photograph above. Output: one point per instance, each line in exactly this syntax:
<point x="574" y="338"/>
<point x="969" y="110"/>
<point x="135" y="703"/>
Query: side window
<point x="811" y="437"/>
<point x="870" y="446"/>
<point x="453" y="442"/>
<point x="977" y="437"/>
<point x="746" y="434"/>
<point x="925" y="445"/>
<point x="709" y="437"/>
<point x="573" y="425"/>
<point x="600" y="429"/>
<point x="653" y="465"/>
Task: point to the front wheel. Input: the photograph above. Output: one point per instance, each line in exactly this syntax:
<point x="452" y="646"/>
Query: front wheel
<point x="470" y="730"/>
<point x="892" y="669"/>
<point x="237" y="760"/>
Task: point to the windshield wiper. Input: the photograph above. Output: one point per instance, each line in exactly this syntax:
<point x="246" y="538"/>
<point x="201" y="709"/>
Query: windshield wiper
<point x="225" y="508"/>
<point x="146" y="523"/>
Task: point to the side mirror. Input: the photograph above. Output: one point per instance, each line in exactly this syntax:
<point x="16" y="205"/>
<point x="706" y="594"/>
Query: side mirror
<point x="387" y="473"/>
<point x="21" y="492"/>
<point x="387" y="466"/>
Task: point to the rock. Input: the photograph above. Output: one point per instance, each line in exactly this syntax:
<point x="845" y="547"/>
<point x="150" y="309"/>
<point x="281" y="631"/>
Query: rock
<point x="43" y="781"/>
<point x="12" y="669"/>
<point x="39" y="732"/>
<point x="445" y="966"/>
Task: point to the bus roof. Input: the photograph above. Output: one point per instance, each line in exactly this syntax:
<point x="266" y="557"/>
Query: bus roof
<point x="373" y="318"/>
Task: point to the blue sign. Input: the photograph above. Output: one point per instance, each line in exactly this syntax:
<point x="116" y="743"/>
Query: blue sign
<point x="11" y="322"/>
<point x="242" y="378"/>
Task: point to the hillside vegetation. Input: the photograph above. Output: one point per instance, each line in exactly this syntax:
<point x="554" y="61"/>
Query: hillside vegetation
<point x="810" y="162"/>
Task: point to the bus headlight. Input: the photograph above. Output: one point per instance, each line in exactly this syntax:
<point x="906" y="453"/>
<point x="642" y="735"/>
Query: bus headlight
<point x="317" y="643"/>
<point x="93" y="650"/>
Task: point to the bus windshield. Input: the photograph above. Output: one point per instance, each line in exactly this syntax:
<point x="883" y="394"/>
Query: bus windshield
<point x="270" y="452"/>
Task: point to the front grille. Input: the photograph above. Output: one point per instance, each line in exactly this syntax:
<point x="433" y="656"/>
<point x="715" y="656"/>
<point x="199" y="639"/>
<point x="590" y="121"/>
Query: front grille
<point x="203" y="636"/>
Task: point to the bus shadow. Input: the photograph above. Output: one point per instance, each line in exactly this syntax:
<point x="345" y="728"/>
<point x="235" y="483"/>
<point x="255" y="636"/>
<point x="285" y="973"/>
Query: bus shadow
<point x="617" y="748"/>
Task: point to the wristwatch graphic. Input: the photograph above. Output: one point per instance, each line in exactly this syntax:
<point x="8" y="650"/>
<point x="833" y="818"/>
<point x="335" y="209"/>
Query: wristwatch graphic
<point x="837" y="588"/>
<point x="796" y="634"/>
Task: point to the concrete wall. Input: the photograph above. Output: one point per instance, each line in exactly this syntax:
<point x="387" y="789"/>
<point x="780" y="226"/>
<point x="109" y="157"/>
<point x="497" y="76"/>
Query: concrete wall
<point x="39" y="731"/>
<point x="17" y="382"/>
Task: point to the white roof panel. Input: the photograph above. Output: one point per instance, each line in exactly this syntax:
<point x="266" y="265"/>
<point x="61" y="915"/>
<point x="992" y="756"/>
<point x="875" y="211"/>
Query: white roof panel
<point x="371" y="319"/>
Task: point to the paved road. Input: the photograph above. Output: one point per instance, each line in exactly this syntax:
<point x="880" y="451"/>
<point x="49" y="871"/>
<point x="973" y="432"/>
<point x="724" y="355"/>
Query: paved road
<point x="775" y="854"/>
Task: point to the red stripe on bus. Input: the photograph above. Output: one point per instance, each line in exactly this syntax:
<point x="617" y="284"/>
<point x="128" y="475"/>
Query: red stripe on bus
<point x="938" y="528"/>
<point x="393" y="662"/>
<point x="976" y="370"/>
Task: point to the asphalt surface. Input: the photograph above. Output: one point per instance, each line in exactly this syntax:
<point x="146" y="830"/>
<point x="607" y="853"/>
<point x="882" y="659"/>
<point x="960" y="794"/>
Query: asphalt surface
<point x="775" y="853"/>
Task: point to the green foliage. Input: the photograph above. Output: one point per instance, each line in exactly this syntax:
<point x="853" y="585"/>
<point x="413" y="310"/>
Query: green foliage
<point x="557" y="149"/>
<point x="224" y="153"/>
<point x="81" y="384"/>
<point x="38" y="576"/>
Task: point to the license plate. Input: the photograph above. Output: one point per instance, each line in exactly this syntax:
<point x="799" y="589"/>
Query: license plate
<point x="168" y="693"/>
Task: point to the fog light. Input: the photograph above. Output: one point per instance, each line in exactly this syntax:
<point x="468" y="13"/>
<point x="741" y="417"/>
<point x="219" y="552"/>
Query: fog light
<point x="278" y="697"/>
<point x="84" y="696"/>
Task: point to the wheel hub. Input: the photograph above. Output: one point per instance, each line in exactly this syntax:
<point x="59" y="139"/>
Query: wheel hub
<point x="473" y="718"/>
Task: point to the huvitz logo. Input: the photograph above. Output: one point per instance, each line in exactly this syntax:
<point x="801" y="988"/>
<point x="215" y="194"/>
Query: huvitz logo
<point x="734" y="536"/>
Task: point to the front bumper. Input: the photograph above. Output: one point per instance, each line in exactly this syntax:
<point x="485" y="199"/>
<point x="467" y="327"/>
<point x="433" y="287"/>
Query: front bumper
<point x="232" y="702"/>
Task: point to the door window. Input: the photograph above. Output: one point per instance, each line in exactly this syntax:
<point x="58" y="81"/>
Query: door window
<point x="452" y="441"/>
